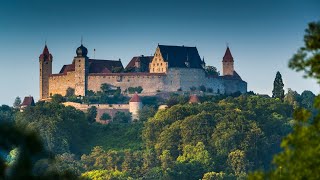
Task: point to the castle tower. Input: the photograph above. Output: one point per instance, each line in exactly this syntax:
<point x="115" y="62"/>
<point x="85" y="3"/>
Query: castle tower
<point x="45" y="61"/>
<point x="135" y="104"/>
<point x="227" y="63"/>
<point x="81" y="62"/>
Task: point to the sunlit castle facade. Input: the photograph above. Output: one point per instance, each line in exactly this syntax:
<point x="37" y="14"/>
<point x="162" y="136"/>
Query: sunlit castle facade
<point x="171" y="69"/>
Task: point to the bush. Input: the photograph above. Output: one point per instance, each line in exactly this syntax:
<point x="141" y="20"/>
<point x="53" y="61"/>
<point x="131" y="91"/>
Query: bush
<point x="193" y="88"/>
<point x="133" y="90"/>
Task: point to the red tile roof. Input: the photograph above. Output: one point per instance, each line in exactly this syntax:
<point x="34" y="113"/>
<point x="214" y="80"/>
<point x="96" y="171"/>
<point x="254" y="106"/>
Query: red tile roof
<point x="135" y="98"/>
<point x="45" y="54"/>
<point x="144" y="64"/>
<point x="194" y="99"/>
<point x="227" y="56"/>
<point x="28" y="101"/>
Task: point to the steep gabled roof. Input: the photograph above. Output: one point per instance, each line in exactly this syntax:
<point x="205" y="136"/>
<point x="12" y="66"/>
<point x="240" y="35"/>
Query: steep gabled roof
<point x="177" y="56"/>
<point x="28" y="101"/>
<point x="67" y="68"/>
<point x="104" y="66"/>
<point x="227" y="56"/>
<point x="144" y="63"/>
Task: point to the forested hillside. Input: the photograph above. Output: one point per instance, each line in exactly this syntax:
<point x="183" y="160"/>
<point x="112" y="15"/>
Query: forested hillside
<point x="223" y="137"/>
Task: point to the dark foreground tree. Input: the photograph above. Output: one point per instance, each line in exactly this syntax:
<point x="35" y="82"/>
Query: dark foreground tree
<point x="301" y="149"/>
<point x="30" y="152"/>
<point x="278" y="91"/>
<point x="17" y="102"/>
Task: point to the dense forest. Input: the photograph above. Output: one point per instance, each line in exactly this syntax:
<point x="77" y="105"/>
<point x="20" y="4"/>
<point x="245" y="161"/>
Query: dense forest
<point x="223" y="137"/>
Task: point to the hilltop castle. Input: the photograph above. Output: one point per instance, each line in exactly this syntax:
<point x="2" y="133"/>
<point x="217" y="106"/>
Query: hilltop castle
<point x="172" y="68"/>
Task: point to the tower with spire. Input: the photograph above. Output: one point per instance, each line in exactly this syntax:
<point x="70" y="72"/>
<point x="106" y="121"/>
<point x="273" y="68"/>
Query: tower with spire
<point x="81" y="62"/>
<point x="45" y="61"/>
<point x="227" y="63"/>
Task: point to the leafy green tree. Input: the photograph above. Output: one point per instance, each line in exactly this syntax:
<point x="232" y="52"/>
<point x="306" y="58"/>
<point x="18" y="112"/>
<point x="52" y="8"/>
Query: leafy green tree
<point x="105" y="88"/>
<point x="92" y="114"/>
<point x="238" y="162"/>
<point x="166" y="159"/>
<point x="67" y="162"/>
<point x="307" y="100"/>
<point x="17" y="102"/>
<point x="70" y="92"/>
<point x="30" y="152"/>
<point x="105" y="116"/>
<point x="214" y="176"/>
<point x="293" y="98"/>
<point x="278" y="85"/>
<point x="196" y="153"/>
<point x="300" y="156"/>
<point x="307" y="57"/>
<point x="212" y="71"/>
<point x="57" y="98"/>
<point x="122" y="117"/>
<point x="53" y="121"/>
<point x="146" y="112"/>
<point x="105" y="174"/>
<point x="6" y="114"/>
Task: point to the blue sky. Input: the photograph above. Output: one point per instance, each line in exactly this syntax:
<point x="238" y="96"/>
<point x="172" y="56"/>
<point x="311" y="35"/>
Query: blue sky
<point x="262" y="35"/>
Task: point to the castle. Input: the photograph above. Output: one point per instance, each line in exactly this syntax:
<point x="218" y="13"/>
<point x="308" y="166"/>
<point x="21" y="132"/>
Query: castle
<point x="171" y="69"/>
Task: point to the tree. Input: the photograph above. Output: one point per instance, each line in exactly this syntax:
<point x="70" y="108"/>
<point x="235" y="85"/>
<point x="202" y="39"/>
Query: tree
<point x="30" y="152"/>
<point x="6" y="113"/>
<point x="105" y="88"/>
<point x="300" y="156"/>
<point x="212" y="71"/>
<point x="278" y="91"/>
<point x="237" y="161"/>
<point x="70" y="92"/>
<point x="307" y="57"/>
<point x="17" y="102"/>
<point x="105" y="116"/>
<point x="292" y="97"/>
<point x="146" y="112"/>
<point x="92" y="114"/>
<point x="307" y="99"/>
<point x="214" y="176"/>
<point x="57" y="98"/>
<point x="122" y="117"/>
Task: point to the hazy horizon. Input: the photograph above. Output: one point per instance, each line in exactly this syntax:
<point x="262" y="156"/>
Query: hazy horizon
<point x="262" y="36"/>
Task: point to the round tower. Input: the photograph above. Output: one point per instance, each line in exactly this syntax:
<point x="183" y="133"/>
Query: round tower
<point x="135" y="104"/>
<point x="45" y="62"/>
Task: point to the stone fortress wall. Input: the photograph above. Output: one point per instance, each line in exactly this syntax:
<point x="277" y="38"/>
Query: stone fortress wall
<point x="149" y="82"/>
<point x="59" y="83"/>
<point x="176" y="79"/>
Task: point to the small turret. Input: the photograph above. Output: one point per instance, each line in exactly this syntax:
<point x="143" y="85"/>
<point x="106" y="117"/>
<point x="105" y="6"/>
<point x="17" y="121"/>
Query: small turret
<point x="135" y="104"/>
<point x="227" y="63"/>
<point x="194" y="99"/>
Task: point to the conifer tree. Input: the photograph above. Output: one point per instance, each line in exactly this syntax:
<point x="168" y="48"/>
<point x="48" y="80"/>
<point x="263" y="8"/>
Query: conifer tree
<point x="278" y="91"/>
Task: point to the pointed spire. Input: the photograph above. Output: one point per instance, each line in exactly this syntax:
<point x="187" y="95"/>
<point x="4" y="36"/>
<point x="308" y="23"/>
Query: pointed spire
<point x="227" y="56"/>
<point x="203" y="59"/>
<point x="45" y="53"/>
<point x="81" y="39"/>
